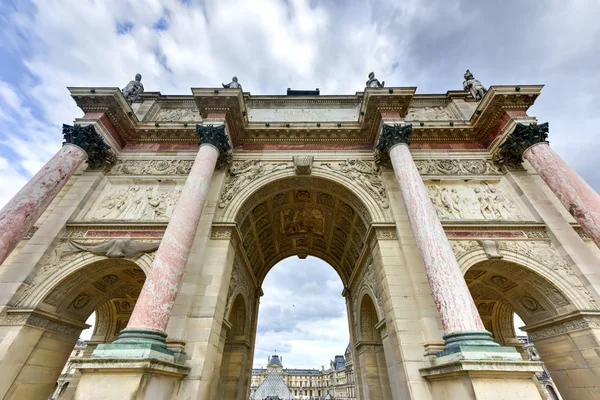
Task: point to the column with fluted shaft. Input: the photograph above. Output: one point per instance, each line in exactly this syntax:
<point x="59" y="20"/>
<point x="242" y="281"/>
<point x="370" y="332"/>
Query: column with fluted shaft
<point x="530" y="142"/>
<point x="460" y="318"/>
<point x="150" y="316"/>
<point x="20" y="214"/>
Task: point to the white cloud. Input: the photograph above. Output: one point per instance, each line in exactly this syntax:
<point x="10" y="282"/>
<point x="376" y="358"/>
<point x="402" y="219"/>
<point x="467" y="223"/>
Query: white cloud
<point x="302" y="314"/>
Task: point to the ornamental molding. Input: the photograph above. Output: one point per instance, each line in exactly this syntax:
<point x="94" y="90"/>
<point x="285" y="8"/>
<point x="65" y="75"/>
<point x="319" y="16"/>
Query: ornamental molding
<point x="42" y="320"/>
<point x="364" y="173"/>
<point x="563" y="327"/>
<point x="458" y="167"/>
<point x="151" y="167"/>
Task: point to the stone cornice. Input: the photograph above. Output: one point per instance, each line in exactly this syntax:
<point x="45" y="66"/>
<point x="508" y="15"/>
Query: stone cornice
<point x="233" y="103"/>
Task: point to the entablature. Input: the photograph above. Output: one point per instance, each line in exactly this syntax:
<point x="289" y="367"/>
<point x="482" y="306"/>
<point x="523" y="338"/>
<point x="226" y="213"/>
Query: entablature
<point x="440" y="121"/>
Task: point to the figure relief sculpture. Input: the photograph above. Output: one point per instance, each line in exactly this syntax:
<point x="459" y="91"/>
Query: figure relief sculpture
<point x="242" y="173"/>
<point x="234" y="84"/>
<point x="133" y="89"/>
<point x="473" y="86"/>
<point x="178" y="114"/>
<point x="483" y="200"/>
<point x="366" y="174"/>
<point x="374" y="82"/>
<point x="136" y="202"/>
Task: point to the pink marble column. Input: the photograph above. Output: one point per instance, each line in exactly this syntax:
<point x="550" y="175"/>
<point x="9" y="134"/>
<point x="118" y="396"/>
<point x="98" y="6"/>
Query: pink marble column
<point x="574" y="193"/>
<point x="452" y="297"/>
<point x="22" y="211"/>
<point x="529" y="142"/>
<point x="157" y="298"/>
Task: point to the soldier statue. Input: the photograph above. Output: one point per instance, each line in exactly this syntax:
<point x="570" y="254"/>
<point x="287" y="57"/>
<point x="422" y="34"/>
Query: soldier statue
<point x="133" y="89"/>
<point x="234" y="84"/>
<point x="473" y="86"/>
<point x="374" y="82"/>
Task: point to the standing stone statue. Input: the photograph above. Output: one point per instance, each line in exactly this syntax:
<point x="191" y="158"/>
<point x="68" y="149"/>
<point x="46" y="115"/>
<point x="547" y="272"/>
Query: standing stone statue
<point x="233" y="84"/>
<point x="133" y="89"/>
<point x="374" y="82"/>
<point x="473" y="86"/>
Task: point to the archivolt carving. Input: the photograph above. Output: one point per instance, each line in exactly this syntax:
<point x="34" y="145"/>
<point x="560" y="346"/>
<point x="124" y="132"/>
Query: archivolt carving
<point x="82" y="265"/>
<point x="151" y="167"/>
<point x="241" y="173"/>
<point x="457" y="167"/>
<point x="366" y="283"/>
<point x="240" y="283"/>
<point x="545" y="253"/>
<point x="365" y="174"/>
<point x="479" y="200"/>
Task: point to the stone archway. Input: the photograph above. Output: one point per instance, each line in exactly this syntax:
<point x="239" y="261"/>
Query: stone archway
<point x="299" y="216"/>
<point x="374" y="380"/>
<point x="233" y="378"/>
<point x="501" y="288"/>
<point x="50" y="328"/>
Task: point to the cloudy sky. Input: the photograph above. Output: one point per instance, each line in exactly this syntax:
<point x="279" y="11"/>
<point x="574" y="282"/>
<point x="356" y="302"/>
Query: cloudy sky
<point x="271" y="45"/>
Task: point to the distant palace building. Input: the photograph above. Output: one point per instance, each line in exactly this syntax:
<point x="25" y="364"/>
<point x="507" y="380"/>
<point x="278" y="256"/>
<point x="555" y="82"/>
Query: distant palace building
<point x="275" y="382"/>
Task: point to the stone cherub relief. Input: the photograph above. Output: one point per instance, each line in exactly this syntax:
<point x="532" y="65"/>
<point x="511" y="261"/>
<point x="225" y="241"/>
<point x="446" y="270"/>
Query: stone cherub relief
<point x="364" y="173"/>
<point x="483" y="200"/>
<point x="374" y="82"/>
<point x="473" y="86"/>
<point x="234" y="84"/>
<point x="133" y="89"/>
<point x="137" y="202"/>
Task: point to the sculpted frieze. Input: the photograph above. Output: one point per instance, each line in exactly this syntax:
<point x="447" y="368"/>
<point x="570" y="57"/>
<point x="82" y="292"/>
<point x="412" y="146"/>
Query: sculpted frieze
<point x="151" y="167"/>
<point x="437" y="113"/>
<point x="483" y="200"/>
<point x="136" y="202"/>
<point x="242" y="173"/>
<point x="365" y="174"/>
<point x="457" y="167"/>
<point x="178" y="114"/>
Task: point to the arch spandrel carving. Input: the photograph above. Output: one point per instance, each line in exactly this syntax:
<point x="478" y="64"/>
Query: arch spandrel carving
<point x="367" y="191"/>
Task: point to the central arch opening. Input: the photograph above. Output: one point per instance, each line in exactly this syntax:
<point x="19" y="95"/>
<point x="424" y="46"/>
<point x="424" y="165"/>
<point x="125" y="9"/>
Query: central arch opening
<point x="303" y="331"/>
<point x="301" y="241"/>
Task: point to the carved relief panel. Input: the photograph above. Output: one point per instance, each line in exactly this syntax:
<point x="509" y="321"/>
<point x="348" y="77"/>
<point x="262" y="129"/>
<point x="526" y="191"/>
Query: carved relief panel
<point x="147" y="199"/>
<point x="477" y="200"/>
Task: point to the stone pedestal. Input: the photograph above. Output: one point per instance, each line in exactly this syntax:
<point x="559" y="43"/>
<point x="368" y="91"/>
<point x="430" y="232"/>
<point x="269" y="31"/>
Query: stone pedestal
<point x="457" y="377"/>
<point x="128" y="379"/>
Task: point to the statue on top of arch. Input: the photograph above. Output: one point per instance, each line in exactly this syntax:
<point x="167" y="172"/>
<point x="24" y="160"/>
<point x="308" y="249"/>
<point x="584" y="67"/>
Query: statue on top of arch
<point x="374" y="82"/>
<point x="133" y="89"/>
<point x="473" y="86"/>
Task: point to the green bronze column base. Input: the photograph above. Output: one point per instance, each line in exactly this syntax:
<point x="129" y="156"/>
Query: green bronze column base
<point x="473" y="345"/>
<point x="137" y="343"/>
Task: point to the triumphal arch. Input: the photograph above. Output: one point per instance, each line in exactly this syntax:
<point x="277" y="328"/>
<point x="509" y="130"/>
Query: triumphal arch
<point x="443" y="215"/>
